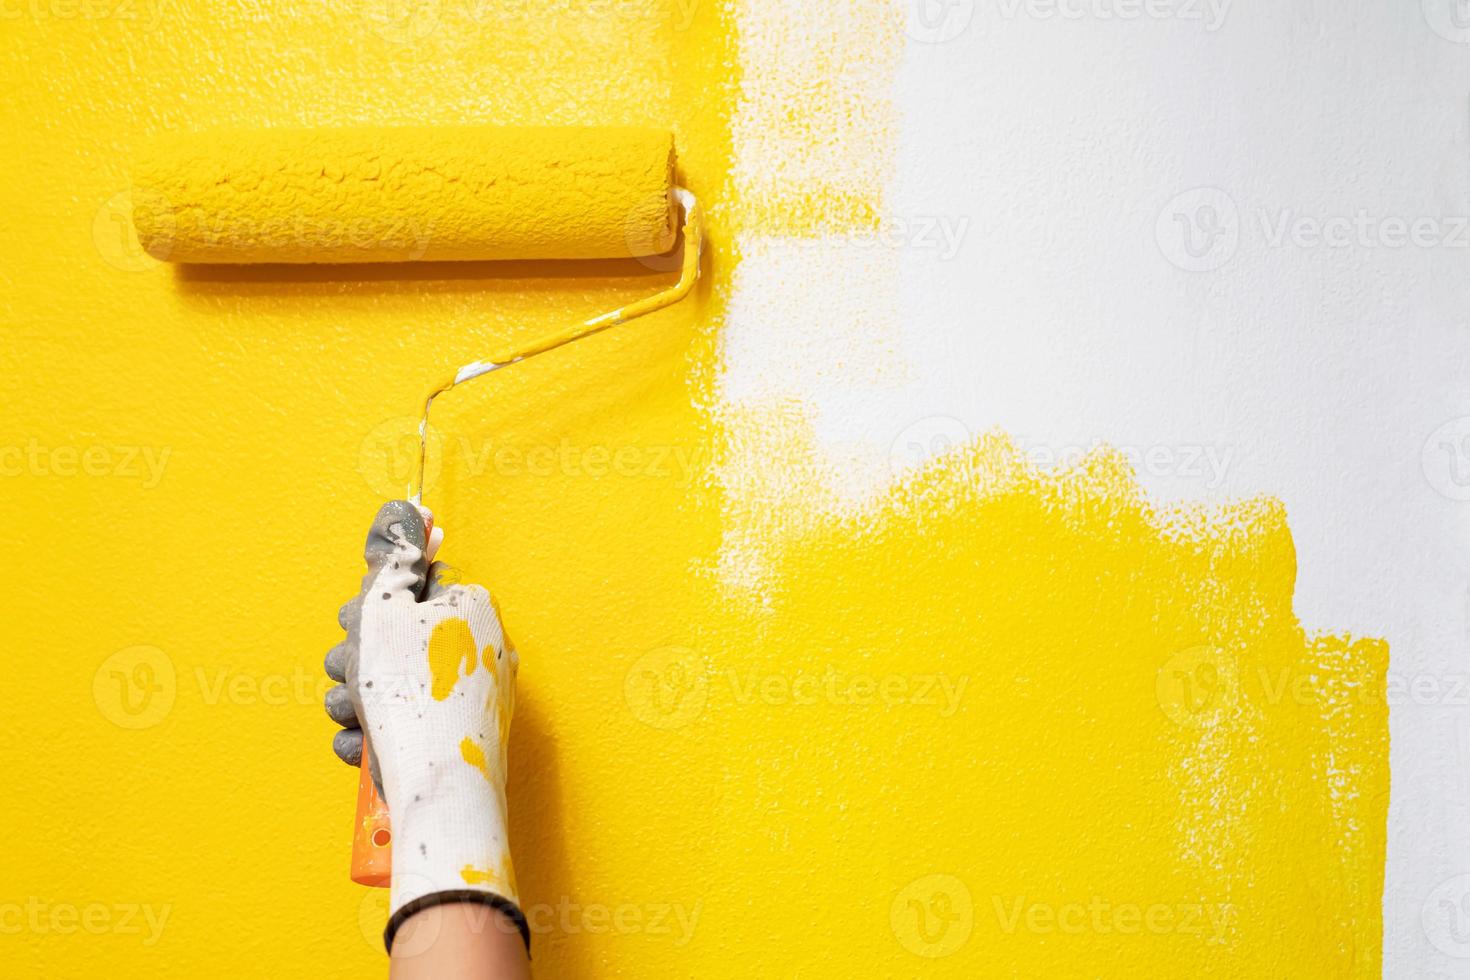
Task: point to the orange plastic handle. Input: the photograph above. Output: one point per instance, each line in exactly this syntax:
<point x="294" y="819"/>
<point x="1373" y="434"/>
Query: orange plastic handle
<point x="372" y="838"/>
<point x="372" y="834"/>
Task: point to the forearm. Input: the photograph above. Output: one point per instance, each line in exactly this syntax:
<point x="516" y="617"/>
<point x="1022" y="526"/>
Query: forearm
<point x="464" y="940"/>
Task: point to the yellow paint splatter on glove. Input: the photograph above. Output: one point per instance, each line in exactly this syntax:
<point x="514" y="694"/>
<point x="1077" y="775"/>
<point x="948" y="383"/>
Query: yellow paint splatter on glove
<point x="481" y="876"/>
<point x="474" y="755"/>
<point x="451" y="647"/>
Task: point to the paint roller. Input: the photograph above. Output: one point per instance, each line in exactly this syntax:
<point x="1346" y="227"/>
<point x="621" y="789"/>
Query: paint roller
<point x="420" y="193"/>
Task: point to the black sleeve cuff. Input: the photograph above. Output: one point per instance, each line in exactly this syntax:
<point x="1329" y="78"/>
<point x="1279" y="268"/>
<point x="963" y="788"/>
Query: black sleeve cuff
<point x="504" y="905"/>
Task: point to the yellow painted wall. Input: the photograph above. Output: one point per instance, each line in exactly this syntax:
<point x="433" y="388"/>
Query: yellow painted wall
<point x="1002" y="723"/>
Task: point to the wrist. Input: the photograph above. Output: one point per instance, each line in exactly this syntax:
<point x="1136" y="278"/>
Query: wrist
<point x="499" y="914"/>
<point x="449" y="842"/>
<point x="454" y="921"/>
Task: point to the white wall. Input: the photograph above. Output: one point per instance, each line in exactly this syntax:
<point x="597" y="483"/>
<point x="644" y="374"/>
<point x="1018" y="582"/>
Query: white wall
<point x="1048" y="160"/>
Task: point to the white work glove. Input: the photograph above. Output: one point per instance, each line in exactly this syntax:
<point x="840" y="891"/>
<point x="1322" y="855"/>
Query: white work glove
<point x="430" y="677"/>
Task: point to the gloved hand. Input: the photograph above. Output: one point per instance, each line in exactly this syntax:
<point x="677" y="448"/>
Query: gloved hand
<point x="429" y="676"/>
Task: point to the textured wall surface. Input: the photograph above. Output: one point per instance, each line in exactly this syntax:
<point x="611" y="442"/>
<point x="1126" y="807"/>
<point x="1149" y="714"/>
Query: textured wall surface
<point x="958" y="715"/>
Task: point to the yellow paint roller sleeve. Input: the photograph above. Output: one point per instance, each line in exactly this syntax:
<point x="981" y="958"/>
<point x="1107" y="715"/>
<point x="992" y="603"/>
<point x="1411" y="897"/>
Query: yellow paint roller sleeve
<point x="411" y="193"/>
